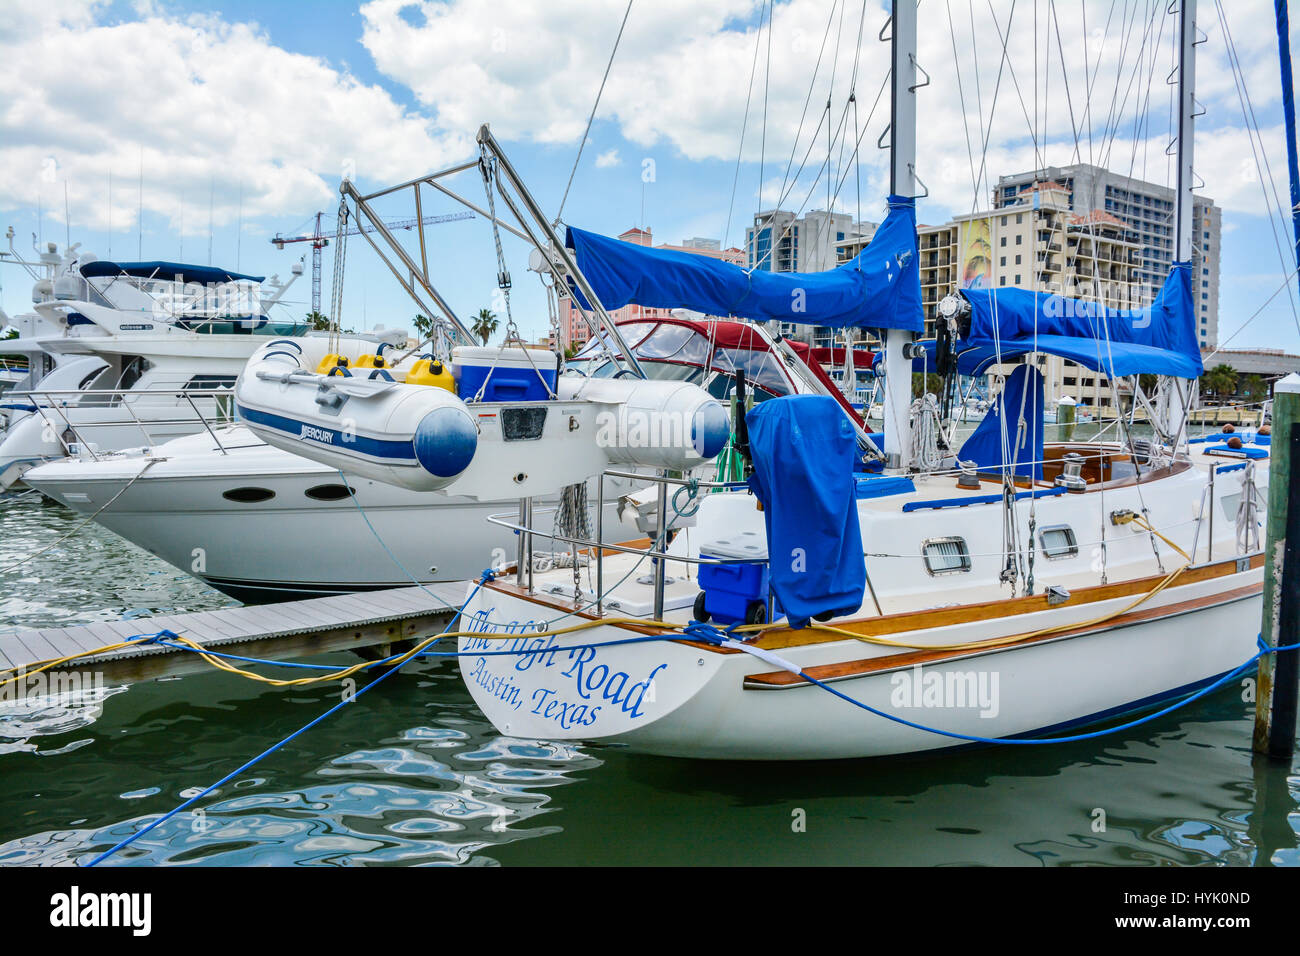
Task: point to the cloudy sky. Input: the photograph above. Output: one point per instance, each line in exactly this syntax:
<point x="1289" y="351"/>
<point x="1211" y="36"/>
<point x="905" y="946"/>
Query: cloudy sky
<point x="239" y="118"/>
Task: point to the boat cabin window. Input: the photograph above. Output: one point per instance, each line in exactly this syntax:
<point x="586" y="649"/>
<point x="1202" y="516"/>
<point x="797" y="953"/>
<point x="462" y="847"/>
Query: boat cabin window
<point x="85" y="382"/>
<point x="946" y="555"/>
<point x="1058" y="542"/>
<point x="211" y="381"/>
<point x="248" y="496"/>
<point x="102" y="379"/>
<point x="132" y="371"/>
<point x="335" y="492"/>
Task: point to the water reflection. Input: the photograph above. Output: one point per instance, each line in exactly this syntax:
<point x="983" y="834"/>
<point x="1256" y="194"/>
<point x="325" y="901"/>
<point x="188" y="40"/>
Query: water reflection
<point x="447" y="792"/>
<point x="415" y="775"/>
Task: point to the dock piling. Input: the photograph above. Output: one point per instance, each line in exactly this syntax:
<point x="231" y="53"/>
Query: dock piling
<point x="1279" y="674"/>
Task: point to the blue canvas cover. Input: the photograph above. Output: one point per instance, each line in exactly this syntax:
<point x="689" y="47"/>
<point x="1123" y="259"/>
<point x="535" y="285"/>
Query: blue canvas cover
<point x="1159" y="339"/>
<point x="204" y="275"/>
<point x="879" y="288"/>
<point x="1024" y="445"/>
<point x="803" y="448"/>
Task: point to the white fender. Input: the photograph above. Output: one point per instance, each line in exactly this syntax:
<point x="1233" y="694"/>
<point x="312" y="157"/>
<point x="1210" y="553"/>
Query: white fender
<point x="656" y="424"/>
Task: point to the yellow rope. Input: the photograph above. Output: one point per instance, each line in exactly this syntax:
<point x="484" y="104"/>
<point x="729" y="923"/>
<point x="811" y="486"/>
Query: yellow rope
<point x="1041" y="632"/>
<point x="37" y="667"/>
<point x="345" y="672"/>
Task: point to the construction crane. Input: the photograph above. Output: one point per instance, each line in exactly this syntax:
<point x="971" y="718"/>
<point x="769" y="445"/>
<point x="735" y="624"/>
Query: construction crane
<point x="319" y="240"/>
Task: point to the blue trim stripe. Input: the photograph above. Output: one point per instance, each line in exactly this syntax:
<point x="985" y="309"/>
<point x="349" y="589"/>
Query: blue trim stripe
<point x="980" y="499"/>
<point x="386" y="450"/>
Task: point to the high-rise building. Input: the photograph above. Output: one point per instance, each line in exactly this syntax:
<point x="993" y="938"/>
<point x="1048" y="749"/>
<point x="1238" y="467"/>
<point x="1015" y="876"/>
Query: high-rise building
<point x="1038" y="242"/>
<point x="1148" y="211"/>
<point x="573" y="325"/>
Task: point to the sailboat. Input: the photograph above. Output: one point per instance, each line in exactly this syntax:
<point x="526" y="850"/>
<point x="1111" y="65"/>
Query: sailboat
<point x="857" y="604"/>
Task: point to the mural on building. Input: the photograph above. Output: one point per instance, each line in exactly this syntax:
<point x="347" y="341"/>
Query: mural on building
<point x="976" y="254"/>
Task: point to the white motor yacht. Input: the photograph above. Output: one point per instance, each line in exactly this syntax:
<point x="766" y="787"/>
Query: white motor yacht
<point x="236" y="512"/>
<point x="132" y="353"/>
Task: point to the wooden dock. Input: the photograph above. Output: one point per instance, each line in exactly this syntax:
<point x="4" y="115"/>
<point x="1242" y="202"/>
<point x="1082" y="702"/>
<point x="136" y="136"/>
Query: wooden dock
<point x="370" y="620"/>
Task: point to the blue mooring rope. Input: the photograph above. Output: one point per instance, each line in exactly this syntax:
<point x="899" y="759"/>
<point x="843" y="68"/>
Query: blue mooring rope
<point x="713" y="635"/>
<point x="696" y="630"/>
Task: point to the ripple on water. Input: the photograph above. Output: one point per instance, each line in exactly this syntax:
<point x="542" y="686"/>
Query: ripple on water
<point x="415" y="775"/>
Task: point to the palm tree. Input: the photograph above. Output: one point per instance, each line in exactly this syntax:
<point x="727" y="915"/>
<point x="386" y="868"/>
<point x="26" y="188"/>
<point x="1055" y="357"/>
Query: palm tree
<point x="423" y="326"/>
<point x="318" y="321"/>
<point x="1220" y="380"/>
<point x="485" y="325"/>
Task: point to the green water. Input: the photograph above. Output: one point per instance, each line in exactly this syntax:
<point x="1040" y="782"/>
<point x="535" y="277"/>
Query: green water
<point x="413" y="773"/>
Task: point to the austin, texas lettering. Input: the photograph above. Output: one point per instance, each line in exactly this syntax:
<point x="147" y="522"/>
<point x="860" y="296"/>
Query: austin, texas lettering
<point x="597" y="685"/>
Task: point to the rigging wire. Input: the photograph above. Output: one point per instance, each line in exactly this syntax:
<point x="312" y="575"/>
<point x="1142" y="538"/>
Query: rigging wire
<point x="586" y="132"/>
<point x="1265" y="174"/>
<point x="744" y="125"/>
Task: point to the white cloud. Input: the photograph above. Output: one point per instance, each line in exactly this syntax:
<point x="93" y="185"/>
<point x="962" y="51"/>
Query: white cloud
<point x="682" y="77"/>
<point x="204" y="104"/>
<point x="607" y="159"/>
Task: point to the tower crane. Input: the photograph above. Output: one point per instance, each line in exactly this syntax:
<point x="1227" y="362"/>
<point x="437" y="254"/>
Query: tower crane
<point x="320" y="239"/>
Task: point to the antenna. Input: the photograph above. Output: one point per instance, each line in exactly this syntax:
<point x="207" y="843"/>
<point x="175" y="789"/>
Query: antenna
<point x="110" y="212"/>
<point x="212" y="185"/>
<point x="239" y="228"/>
<point x="67" y="218"/>
<point x="139" y="218"/>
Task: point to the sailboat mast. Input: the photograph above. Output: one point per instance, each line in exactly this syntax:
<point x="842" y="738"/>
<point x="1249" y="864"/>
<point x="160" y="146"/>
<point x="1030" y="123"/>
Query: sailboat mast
<point x="1175" y="405"/>
<point x="1184" y="224"/>
<point x="1288" y="111"/>
<point x="902" y="182"/>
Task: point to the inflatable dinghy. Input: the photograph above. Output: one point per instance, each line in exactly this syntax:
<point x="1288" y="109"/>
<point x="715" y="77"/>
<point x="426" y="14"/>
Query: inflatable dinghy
<point x="500" y="423"/>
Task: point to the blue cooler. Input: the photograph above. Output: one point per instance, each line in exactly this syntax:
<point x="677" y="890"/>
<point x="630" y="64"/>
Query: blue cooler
<point x="728" y="590"/>
<point x="512" y="375"/>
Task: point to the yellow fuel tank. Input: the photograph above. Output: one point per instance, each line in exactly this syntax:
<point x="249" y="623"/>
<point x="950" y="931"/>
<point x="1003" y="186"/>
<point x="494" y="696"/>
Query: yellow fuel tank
<point x="431" y="372"/>
<point x="329" y="362"/>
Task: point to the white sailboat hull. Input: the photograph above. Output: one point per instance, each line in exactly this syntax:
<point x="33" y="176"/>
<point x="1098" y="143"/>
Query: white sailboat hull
<point x="689" y="700"/>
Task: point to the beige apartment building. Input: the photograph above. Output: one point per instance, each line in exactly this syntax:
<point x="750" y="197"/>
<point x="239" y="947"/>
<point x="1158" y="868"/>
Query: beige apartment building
<point x="1037" y="242"/>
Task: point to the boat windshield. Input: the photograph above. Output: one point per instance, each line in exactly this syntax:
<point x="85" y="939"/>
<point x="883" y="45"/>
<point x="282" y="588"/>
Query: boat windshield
<point x="681" y="352"/>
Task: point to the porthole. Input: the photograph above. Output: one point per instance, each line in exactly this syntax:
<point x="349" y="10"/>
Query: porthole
<point x="248" y="496"/>
<point x="946" y="555"/>
<point x="333" y="492"/>
<point x="1058" y="542"/>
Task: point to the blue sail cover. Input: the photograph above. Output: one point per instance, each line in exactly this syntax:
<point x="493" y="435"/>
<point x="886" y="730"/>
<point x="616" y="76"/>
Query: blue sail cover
<point x="803" y="449"/>
<point x="1159" y="339"/>
<point x="879" y="288"/>
<point x="1001" y="429"/>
